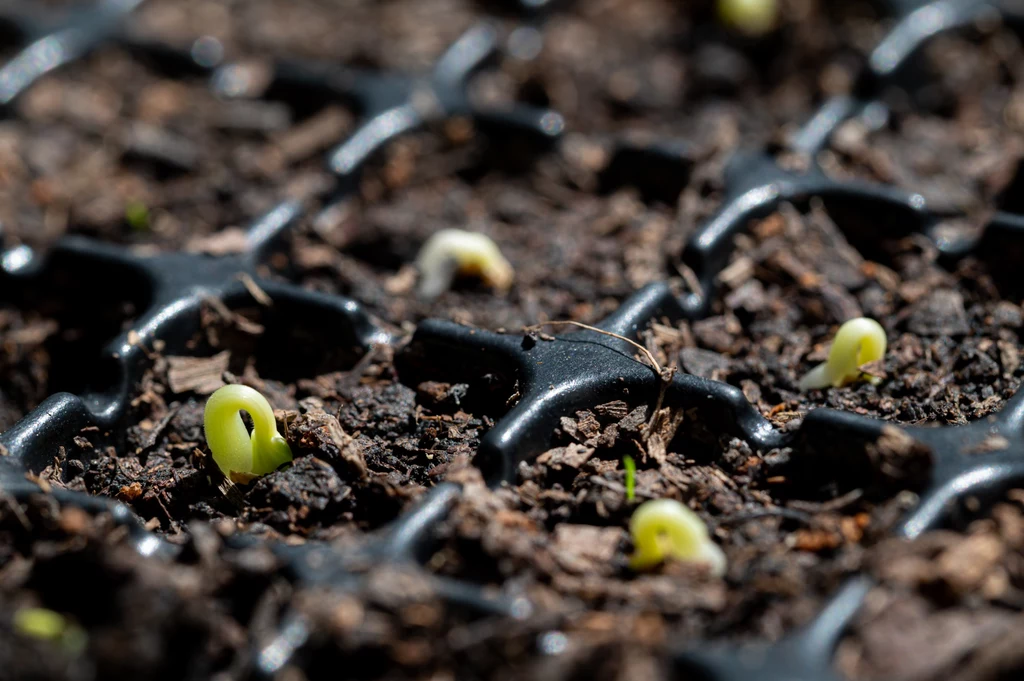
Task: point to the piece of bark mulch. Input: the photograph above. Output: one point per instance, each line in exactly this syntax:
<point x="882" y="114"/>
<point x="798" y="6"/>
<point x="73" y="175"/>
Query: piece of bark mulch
<point x="201" y="375"/>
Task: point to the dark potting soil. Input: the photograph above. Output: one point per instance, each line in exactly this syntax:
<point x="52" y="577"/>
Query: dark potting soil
<point x="959" y="587"/>
<point x="113" y="148"/>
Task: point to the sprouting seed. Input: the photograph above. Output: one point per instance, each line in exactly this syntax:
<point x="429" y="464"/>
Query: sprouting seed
<point x="47" y="625"/>
<point x="137" y="215"/>
<point x="453" y="252"/>
<point x="233" y="448"/>
<point x="39" y="623"/>
<point x="751" y="17"/>
<point x="630" y="466"/>
<point x="665" y="528"/>
<point x="857" y="342"/>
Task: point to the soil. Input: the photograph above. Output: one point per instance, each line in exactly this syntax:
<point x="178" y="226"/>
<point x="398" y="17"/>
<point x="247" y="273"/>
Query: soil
<point x="961" y="587"/>
<point x="113" y="148"/>
<point x="25" y="363"/>
<point x="117" y="148"/>
<point x="953" y="352"/>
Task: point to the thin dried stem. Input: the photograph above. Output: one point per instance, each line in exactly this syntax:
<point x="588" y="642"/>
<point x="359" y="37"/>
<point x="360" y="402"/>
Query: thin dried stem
<point x="665" y="374"/>
<point x="569" y="322"/>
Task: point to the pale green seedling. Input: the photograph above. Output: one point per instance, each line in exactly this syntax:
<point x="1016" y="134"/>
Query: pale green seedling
<point x="47" y="625"/>
<point x="857" y="342"/>
<point x="751" y="17"/>
<point x="137" y="215"/>
<point x="452" y="252"/>
<point x="234" y="449"/>
<point x="663" y="529"/>
<point x="630" y="466"/>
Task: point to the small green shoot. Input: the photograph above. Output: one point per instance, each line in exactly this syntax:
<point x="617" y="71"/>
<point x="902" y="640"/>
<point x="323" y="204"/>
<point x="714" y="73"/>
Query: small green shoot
<point x="47" y="625"/>
<point x="234" y="449"/>
<point x="136" y="213"/>
<point x="665" y="528"/>
<point x="751" y="17"/>
<point x="630" y="466"/>
<point x="454" y="252"/>
<point x="857" y="342"/>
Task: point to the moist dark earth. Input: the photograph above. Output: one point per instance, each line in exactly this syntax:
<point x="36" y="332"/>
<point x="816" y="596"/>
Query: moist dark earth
<point x="116" y="148"/>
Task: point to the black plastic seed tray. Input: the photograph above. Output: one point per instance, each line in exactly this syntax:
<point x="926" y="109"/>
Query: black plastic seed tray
<point x="556" y="376"/>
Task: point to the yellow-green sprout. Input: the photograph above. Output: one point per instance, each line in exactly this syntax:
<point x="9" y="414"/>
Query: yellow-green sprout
<point x="665" y="528"/>
<point x="453" y="252"/>
<point x="234" y="449"/>
<point x="857" y="342"/>
<point x="47" y="625"/>
<point x="137" y="215"/>
<point x="630" y="466"/>
<point x="751" y="17"/>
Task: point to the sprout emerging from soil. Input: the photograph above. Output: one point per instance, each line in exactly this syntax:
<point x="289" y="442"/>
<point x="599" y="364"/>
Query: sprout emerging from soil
<point x="664" y="528"/>
<point x="234" y="450"/>
<point x="47" y="625"/>
<point x="137" y="215"/>
<point x="857" y="342"/>
<point x="751" y="17"/>
<point x="453" y="252"/>
<point x="630" y="466"/>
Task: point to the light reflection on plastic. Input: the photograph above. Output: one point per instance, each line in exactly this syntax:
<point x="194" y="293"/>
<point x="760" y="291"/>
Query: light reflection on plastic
<point x="739" y="209"/>
<point x="17" y="258"/>
<point x="148" y="546"/>
<point x="553" y="643"/>
<point x="467" y="52"/>
<point x="944" y="242"/>
<point x="521" y="608"/>
<point x="552" y="123"/>
<point x="379" y="130"/>
<point x="936" y="504"/>
<point x="41" y="57"/>
<point x="272" y="223"/>
<point x="875" y="115"/>
<point x="920" y="24"/>
<point x="281" y="649"/>
<point x="232" y="81"/>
